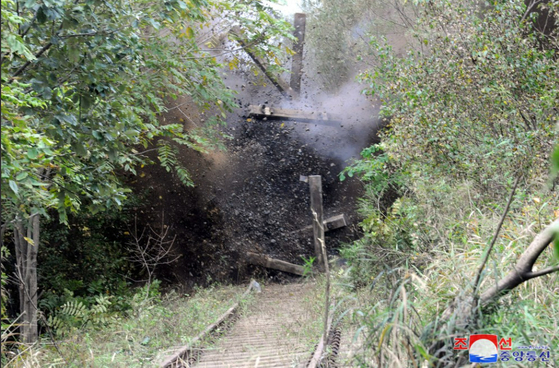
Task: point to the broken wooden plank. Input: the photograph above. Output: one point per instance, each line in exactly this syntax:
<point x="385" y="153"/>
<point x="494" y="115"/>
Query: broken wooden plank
<point x="269" y="112"/>
<point x="276" y="264"/>
<point x="299" y="23"/>
<point x="335" y="222"/>
<point x="331" y="223"/>
<point x="276" y="80"/>
<point x="315" y="185"/>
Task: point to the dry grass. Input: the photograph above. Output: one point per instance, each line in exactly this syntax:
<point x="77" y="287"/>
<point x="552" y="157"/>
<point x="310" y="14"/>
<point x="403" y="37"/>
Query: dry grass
<point x="395" y="316"/>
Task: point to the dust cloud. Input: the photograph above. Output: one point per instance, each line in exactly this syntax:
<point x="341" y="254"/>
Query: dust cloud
<point x="353" y="116"/>
<point x="353" y="125"/>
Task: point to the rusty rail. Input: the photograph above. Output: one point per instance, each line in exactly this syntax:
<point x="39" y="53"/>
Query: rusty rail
<point x="318" y="354"/>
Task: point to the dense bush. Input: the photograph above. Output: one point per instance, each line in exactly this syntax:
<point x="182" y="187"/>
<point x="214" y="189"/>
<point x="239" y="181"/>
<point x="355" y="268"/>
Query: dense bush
<point x="472" y="111"/>
<point x="478" y="101"/>
<point x="85" y="259"/>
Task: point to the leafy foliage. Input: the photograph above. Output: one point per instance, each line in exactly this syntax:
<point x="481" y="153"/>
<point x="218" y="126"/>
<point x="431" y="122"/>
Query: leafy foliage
<point x="87" y="258"/>
<point x="3" y="283"/>
<point x="83" y="84"/>
<point x="379" y="171"/>
<point x="75" y="314"/>
<point x="470" y="104"/>
<point x="470" y="108"/>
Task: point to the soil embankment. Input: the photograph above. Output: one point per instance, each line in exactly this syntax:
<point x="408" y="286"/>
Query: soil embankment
<point x="249" y="197"/>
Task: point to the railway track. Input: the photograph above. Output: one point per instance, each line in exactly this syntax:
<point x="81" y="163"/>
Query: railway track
<point x="274" y="333"/>
<point x="279" y="330"/>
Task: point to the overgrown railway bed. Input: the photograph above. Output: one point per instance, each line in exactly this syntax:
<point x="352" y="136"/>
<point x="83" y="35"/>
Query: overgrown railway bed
<point x="280" y="329"/>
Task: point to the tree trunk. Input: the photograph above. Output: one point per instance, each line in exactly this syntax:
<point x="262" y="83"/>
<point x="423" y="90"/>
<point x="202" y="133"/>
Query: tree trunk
<point x="26" y="260"/>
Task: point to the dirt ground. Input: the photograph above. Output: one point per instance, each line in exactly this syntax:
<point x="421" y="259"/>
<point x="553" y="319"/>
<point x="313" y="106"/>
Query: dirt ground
<point x="250" y="197"/>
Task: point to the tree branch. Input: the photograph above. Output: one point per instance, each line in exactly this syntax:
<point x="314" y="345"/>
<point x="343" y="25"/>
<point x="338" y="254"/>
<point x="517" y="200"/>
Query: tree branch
<point x="48" y="46"/>
<point x="543" y="272"/>
<point x="522" y="271"/>
<point x="24" y="66"/>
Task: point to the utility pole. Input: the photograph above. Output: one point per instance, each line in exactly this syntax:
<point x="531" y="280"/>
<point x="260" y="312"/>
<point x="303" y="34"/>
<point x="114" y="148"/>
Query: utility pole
<point x="299" y="23"/>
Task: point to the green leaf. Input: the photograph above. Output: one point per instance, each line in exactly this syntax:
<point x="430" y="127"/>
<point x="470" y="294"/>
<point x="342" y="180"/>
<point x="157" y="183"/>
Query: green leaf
<point x="21" y="176"/>
<point x="17" y="45"/>
<point x="32" y="153"/>
<point x="422" y="351"/>
<point x="14" y="187"/>
<point x="155" y="24"/>
<point x="555" y="163"/>
<point x="80" y="149"/>
<point x="189" y="32"/>
<point x="70" y="119"/>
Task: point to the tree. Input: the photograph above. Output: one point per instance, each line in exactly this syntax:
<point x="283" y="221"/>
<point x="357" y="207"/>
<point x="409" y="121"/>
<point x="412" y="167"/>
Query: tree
<point x="338" y="35"/>
<point x="478" y="98"/>
<point x="472" y="109"/>
<point x="83" y="83"/>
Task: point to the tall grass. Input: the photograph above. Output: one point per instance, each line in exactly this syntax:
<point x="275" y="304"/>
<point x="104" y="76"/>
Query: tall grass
<point x="402" y="293"/>
<point x="153" y="330"/>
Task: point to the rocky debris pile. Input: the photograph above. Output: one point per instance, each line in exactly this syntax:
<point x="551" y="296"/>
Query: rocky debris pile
<point x="249" y="197"/>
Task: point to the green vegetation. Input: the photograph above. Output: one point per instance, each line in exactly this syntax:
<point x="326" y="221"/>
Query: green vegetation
<point x="313" y="305"/>
<point x="151" y="331"/>
<point x="473" y="119"/>
<point x="84" y="84"/>
<point x="460" y="192"/>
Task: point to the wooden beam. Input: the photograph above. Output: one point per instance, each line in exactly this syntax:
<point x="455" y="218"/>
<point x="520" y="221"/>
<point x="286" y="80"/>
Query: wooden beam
<point x="331" y="223"/>
<point x="335" y="222"/>
<point x="276" y="264"/>
<point x="299" y="23"/>
<point x="315" y="184"/>
<point x="270" y="112"/>
<point x="279" y="83"/>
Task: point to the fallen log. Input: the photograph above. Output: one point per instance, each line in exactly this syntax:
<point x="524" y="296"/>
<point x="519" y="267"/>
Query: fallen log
<point x="276" y="264"/>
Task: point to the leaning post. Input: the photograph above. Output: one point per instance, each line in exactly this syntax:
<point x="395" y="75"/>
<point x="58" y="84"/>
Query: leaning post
<point x="315" y="184"/>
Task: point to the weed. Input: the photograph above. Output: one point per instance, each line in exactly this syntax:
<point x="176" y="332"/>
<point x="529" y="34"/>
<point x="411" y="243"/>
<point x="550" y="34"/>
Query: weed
<point x="154" y="329"/>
